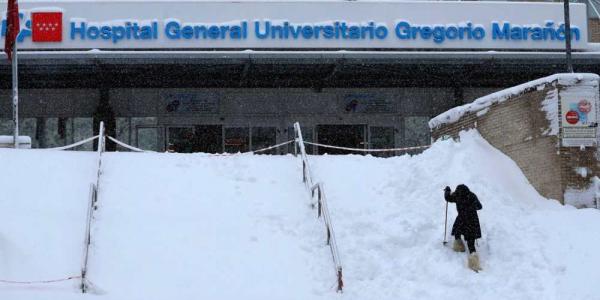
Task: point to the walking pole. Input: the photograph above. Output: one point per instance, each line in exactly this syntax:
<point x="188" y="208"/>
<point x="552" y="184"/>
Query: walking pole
<point x="445" y="224"/>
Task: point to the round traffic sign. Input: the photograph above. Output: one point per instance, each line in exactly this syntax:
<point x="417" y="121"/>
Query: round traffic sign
<point x="572" y="117"/>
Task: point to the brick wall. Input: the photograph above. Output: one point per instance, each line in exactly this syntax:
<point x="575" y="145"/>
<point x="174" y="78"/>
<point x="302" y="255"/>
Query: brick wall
<point x="518" y="128"/>
<point x="594" y="29"/>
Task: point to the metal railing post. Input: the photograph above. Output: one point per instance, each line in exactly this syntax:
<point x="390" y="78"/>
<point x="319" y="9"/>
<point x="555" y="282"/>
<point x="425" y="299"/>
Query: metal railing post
<point x="295" y="142"/>
<point x="304" y="172"/>
<point x="340" y="280"/>
<point x="319" y="209"/>
<point x="320" y="202"/>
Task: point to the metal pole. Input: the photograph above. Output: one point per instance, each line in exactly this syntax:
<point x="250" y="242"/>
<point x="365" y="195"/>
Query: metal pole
<point x="15" y="85"/>
<point x="568" y="37"/>
<point x="445" y="224"/>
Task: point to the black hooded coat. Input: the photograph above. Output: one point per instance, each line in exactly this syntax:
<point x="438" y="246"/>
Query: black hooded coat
<point x="467" y="205"/>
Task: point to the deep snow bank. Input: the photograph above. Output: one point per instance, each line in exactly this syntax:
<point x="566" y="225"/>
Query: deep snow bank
<point x="389" y="220"/>
<point x="173" y="226"/>
<point x="176" y="226"/>
<point x="43" y="206"/>
<point x="168" y="226"/>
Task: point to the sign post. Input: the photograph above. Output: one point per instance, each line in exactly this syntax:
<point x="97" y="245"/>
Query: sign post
<point x="10" y="47"/>
<point x="15" y="95"/>
<point x="568" y="37"/>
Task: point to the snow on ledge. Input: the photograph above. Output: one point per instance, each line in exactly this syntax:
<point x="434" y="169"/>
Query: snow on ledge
<point x="9" y="139"/>
<point x="484" y="102"/>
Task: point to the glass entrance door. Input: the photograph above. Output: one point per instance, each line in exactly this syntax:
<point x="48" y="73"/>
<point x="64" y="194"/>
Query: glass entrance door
<point x="180" y="139"/>
<point x="199" y="138"/>
<point x="350" y="136"/>
<point x="208" y="138"/>
<point x="237" y="139"/>
<point x="263" y="137"/>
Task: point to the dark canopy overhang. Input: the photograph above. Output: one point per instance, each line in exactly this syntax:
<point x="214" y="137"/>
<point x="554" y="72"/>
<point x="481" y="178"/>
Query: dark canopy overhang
<point x="273" y="69"/>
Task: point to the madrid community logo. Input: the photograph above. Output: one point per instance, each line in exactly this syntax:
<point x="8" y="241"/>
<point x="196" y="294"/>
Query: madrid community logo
<point x="42" y="27"/>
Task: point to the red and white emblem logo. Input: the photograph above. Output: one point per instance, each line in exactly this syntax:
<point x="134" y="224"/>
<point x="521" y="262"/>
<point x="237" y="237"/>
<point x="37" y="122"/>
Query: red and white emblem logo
<point x="46" y="26"/>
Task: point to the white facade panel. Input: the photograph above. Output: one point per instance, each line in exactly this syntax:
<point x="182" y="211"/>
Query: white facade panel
<point x="297" y="25"/>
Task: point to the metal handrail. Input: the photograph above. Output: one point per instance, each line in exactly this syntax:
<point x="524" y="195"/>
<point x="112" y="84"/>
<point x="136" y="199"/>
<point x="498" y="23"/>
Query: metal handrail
<point x="321" y="203"/>
<point x="87" y="241"/>
<point x="92" y="206"/>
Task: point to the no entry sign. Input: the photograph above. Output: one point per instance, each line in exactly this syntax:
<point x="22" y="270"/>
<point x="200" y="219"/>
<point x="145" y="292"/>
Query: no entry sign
<point x="572" y="117"/>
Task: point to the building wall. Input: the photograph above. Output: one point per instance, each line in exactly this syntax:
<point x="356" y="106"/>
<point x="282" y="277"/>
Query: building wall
<point x="407" y="110"/>
<point x="56" y="117"/>
<point x="518" y="128"/>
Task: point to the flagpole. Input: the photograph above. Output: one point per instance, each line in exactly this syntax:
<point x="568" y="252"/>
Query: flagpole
<point x="15" y="93"/>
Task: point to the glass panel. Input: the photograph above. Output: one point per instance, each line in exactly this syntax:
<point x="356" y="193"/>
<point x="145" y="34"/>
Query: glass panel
<point x="143" y="122"/>
<point x="416" y="131"/>
<point x="181" y="139"/>
<point x="123" y="132"/>
<point x="83" y="129"/>
<point x="6" y="126"/>
<point x="236" y="139"/>
<point x="382" y="138"/>
<point x="148" y="138"/>
<point x="51" y="135"/>
<point x="307" y="135"/>
<point x="263" y="137"/>
<point x="27" y="127"/>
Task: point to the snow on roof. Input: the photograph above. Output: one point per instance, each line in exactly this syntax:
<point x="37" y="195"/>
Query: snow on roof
<point x="458" y="112"/>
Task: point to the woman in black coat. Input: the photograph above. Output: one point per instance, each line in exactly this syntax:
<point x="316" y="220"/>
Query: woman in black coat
<point x="467" y="221"/>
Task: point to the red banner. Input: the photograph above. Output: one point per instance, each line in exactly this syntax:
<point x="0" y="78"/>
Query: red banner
<point x="12" y="27"/>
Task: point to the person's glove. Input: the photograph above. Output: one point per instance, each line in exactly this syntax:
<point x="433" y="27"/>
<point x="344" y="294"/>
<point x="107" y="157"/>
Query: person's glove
<point x="447" y="189"/>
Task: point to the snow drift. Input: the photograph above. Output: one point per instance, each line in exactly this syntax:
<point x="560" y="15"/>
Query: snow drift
<point x="239" y="227"/>
<point x="389" y="217"/>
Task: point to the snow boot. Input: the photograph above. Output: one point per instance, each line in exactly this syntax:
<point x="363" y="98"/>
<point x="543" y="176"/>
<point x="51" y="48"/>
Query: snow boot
<point x="473" y="262"/>
<point x="458" y="246"/>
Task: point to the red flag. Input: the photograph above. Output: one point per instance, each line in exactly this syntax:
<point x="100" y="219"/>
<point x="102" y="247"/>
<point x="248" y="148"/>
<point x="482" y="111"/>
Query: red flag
<point x="12" y="27"/>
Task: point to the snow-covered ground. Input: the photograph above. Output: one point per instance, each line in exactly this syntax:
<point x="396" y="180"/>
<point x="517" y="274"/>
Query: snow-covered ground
<point x="389" y="220"/>
<point x="168" y="226"/>
<point x="176" y="226"/>
<point x="43" y="207"/>
<point x="205" y="227"/>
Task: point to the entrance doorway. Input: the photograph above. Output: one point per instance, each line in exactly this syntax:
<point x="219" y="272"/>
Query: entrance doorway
<point x="200" y="138"/>
<point x="350" y="136"/>
<point x="180" y="139"/>
<point x="209" y="138"/>
<point x="237" y="139"/>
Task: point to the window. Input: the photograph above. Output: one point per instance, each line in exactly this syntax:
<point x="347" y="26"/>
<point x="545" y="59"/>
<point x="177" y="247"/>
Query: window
<point x="263" y="137"/>
<point x="237" y="139"/>
<point x="416" y="131"/>
<point x="148" y="138"/>
<point x="382" y="138"/>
